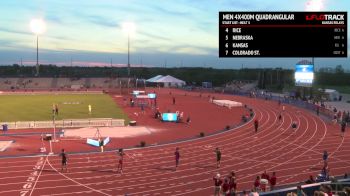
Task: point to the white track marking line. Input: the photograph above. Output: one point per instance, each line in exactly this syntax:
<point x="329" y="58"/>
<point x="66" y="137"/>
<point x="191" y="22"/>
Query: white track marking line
<point x="95" y="190"/>
<point x="36" y="181"/>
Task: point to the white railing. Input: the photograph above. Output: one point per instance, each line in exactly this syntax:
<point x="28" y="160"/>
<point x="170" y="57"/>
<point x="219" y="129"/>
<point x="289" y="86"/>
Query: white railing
<point x="69" y="123"/>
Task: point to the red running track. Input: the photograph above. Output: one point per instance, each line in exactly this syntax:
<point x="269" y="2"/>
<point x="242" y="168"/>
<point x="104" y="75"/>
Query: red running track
<point x="150" y="171"/>
<point x="198" y="108"/>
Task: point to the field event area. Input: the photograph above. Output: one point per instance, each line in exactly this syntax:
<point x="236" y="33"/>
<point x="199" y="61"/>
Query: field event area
<point x="35" y="107"/>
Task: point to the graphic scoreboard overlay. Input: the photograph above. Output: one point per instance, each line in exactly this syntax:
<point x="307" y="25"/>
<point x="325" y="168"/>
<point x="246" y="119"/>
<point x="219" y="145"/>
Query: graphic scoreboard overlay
<point x="283" y="34"/>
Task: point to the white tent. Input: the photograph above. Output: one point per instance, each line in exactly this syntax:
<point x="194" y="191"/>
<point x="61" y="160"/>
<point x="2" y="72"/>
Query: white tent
<point x="167" y="81"/>
<point x="154" y="79"/>
<point x="332" y="95"/>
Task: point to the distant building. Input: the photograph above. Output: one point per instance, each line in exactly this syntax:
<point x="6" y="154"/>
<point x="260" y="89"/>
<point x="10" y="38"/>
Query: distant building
<point x="327" y="70"/>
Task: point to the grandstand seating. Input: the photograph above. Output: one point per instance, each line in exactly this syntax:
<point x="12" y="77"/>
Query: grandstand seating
<point x="63" y="83"/>
<point x="8" y="83"/>
<point x="238" y="85"/>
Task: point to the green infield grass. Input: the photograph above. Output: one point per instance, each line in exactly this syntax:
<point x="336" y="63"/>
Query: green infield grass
<point x="39" y="107"/>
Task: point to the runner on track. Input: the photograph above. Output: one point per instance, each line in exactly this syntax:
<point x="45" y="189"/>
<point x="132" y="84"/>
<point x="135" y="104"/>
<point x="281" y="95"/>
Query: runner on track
<point x="218" y="157"/>
<point x="342" y="128"/>
<point x="64" y="160"/>
<point x="280" y="118"/>
<point x="177" y="157"/>
<point x="256" y="125"/>
<point x="325" y="158"/>
<point x="120" y="162"/>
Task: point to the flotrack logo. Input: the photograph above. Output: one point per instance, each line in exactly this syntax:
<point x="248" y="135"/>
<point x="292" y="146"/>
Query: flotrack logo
<point x="323" y="17"/>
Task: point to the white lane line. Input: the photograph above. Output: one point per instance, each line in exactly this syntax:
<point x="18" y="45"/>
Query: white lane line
<point x="41" y="170"/>
<point x="95" y="190"/>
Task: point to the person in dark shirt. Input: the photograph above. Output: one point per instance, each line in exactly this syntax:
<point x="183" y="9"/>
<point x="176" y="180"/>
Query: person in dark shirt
<point x="233" y="185"/>
<point x="342" y="128"/>
<point x="256" y="125"/>
<point x="177" y="157"/>
<point x="56" y="109"/>
<point x="64" y="160"/>
<point x="294" y="126"/>
<point x="280" y="118"/>
<point x="225" y="187"/>
<point x="273" y="181"/>
<point x="257" y="183"/>
<point x="311" y="180"/>
<point x="325" y="158"/>
<point x="218" y="157"/>
<point x="188" y="121"/>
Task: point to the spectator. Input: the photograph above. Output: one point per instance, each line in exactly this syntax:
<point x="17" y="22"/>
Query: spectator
<point x="226" y="187"/>
<point x="311" y="180"/>
<point x="264" y="181"/>
<point x="265" y="176"/>
<point x="244" y="193"/>
<point x="257" y="183"/>
<point x="347" y="190"/>
<point x="328" y="190"/>
<point x="233" y="175"/>
<point x="273" y="181"/>
<point x="217" y="184"/>
<point x="233" y="185"/>
<point x="254" y="192"/>
<point x="324" y="176"/>
<point x="300" y="191"/>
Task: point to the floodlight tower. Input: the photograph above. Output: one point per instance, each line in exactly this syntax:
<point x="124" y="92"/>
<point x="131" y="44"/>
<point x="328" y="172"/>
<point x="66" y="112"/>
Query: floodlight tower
<point x="129" y="29"/>
<point x="38" y="27"/>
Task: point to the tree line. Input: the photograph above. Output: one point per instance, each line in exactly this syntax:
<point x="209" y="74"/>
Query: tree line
<point x="275" y="78"/>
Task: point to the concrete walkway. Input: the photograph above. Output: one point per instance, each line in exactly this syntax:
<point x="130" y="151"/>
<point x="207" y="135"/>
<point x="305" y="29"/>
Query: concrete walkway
<point x="341" y="105"/>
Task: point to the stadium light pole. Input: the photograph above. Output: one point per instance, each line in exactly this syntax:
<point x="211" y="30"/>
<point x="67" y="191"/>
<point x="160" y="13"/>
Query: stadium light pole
<point x="129" y="29"/>
<point x="38" y="27"/>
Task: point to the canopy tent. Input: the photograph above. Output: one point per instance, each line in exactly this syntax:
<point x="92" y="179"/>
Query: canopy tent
<point x="167" y="81"/>
<point x="331" y="94"/>
<point x="154" y="79"/>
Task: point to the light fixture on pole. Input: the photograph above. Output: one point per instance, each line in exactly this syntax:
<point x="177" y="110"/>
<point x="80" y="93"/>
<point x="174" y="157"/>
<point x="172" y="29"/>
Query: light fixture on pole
<point x="38" y="27"/>
<point x="129" y="29"/>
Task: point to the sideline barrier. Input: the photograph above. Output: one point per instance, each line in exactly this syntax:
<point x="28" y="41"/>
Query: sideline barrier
<point x="309" y="189"/>
<point x="69" y="123"/>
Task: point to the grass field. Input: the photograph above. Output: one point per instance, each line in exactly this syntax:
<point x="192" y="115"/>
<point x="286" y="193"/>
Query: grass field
<point x="39" y="107"/>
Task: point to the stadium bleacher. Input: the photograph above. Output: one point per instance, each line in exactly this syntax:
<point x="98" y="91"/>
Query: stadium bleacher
<point x="7" y="84"/>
